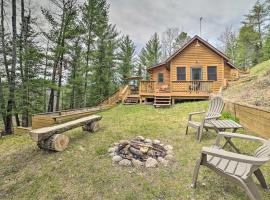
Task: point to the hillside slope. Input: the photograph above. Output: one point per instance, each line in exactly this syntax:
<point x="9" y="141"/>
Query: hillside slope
<point x="253" y="89"/>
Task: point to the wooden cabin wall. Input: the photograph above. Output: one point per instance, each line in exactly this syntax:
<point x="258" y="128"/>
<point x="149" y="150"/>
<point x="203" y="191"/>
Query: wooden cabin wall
<point x="166" y="75"/>
<point x="230" y="73"/>
<point x="199" y="56"/>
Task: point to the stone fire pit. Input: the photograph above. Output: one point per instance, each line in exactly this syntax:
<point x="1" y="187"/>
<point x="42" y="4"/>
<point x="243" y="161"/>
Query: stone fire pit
<point x="141" y="152"/>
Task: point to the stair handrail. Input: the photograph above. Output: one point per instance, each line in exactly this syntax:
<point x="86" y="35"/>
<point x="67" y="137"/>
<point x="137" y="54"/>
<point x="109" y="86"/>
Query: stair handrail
<point x="125" y="92"/>
<point x="112" y="96"/>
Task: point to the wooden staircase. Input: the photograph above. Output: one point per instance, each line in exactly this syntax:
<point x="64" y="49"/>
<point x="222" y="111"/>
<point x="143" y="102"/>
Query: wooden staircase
<point x="131" y="100"/>
<point x="162" y="101"/>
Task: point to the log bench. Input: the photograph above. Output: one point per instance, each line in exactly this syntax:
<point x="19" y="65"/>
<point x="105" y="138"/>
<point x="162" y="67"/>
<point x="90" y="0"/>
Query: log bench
<point x="51" y="138"/>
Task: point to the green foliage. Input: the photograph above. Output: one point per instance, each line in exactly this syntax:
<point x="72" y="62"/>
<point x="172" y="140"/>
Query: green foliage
<point x="247" y="47"/>
<point x="228" y="115"/>
<point x="261" y="69"/>
<point x="181" y="40"/>
<point x="126" y="58"/>
<point x="250" y="39"/>
<point x="153" y="50"/>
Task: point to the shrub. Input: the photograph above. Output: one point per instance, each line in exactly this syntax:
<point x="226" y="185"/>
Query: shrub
<point x="227" y="115"/>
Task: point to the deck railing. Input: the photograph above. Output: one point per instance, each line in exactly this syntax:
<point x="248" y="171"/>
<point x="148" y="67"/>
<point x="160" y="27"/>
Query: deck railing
<point x="192" y="86"/>
<point x="147" y="87"/>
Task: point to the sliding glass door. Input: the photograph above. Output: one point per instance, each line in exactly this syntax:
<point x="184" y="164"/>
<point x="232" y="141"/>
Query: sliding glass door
<point x="196" y="73"/>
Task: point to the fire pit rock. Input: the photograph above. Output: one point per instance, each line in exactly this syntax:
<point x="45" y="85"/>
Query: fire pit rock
<point x="140" y="152"/>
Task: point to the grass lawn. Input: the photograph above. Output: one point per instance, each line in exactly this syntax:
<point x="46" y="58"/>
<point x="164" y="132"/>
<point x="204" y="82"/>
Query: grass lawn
<point x="85" y="171"/>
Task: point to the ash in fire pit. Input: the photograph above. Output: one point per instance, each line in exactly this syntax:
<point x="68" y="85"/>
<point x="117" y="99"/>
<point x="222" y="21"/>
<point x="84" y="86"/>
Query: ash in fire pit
<point x="141" y="152"/>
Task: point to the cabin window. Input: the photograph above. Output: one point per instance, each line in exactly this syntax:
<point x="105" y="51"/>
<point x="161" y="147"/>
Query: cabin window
<point x="181" y="73"/>
<point x="212" y="73"/>
<point x="196" y="74"/>
<point x="160" y="77"/>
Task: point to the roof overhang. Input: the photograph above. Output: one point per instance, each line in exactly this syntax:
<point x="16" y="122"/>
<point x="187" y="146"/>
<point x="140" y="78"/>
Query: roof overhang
<point x="232" y="65"/>
<point x="157" y="65"/>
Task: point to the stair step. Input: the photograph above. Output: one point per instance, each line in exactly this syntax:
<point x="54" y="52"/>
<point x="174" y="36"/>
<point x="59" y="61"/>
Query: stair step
<point x="161" y="105"/>
<point x="162" y="97"/>
<point x="130" y="103"/>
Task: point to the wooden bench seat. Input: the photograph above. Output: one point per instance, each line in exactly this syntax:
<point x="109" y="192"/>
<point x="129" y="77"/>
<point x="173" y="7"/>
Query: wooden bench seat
<point x="51" y="138"/>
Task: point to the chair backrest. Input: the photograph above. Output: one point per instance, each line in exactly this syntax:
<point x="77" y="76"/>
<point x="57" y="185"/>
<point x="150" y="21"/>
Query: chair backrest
<point x="215" y="107"/>
<point x="264" y="150"/>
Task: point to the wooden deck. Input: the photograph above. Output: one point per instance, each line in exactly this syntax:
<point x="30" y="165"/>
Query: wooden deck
<point x="177" y="89"/>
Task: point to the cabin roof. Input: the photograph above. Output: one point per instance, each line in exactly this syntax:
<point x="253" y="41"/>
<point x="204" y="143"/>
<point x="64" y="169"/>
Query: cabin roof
<point x="157" y="65"/>
<point x="196" y="37"/>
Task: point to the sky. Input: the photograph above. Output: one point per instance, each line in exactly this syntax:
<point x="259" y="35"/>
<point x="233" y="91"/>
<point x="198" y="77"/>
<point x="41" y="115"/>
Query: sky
<point x="141" y="18"/>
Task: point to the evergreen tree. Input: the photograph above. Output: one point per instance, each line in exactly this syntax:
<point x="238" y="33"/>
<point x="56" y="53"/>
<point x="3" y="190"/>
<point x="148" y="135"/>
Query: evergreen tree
<point x="92" y="15"/>
<point x="126" y="58"/>
<point x="254" y="22"/>
<point x="247" y="47"/>
<point x="266" y="47"/>
<point x="142" y="64"/>
<point x="180" y="40"/>
<point x="153" y="50"/>
<point x="60" y="30"/>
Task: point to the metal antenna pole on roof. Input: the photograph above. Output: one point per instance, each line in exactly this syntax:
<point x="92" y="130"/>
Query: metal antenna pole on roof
<point x="201" y="18"/>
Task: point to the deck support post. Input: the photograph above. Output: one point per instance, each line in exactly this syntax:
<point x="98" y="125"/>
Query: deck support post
<point x="173" y="101"/>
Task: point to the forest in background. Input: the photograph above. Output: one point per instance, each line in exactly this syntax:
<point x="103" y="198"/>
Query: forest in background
<point x="80" y="58"/>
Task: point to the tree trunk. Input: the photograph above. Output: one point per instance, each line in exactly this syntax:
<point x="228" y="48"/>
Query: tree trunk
<point x="44" y="78"/>
<point x="60" y="74"/>
<point x="51" y="98"/>
<point x="4" y="52"/>
<point x="2" y="103"/>
<point x="60" y="42"/>
<point x="24" y="67"/>
<point x="11" y="98"/>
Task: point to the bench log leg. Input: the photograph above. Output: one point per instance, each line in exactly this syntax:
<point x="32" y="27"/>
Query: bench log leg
<point x="92" y="127"/>
<point x="57" y="142"/>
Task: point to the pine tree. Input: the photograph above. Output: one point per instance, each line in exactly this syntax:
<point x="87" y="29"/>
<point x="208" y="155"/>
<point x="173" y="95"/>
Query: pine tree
<point x="91" y="10"/>
<point x="58" y="34"/>
<point x="126" y="58"/>
<point x="142" y="64"/>
<point x="246" y="50"/>
<point x="256" y="20"/>
<point x="5" y="63"/>
<point x="104" y="62"/>
<point x="181" y="40"/>
<point x="11" y="84"/>
<point x="153" y="50"/>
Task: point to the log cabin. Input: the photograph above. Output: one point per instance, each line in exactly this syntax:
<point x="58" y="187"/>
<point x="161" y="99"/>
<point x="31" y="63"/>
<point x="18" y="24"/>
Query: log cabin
<point x="195" y="71"/>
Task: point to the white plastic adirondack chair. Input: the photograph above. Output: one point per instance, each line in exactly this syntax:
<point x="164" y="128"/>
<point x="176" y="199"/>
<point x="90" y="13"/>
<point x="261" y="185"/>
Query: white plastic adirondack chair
<point x="214" y="112"/>
<point x="238" y="168"/>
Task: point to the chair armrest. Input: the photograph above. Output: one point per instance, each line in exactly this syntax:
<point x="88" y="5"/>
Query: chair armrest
<point x="197" y="113"/>
<point x="194" y="113"/>
<point x="240" y="136"/>
<point x="213" y="117"/>
<point x="234" y="156"/>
